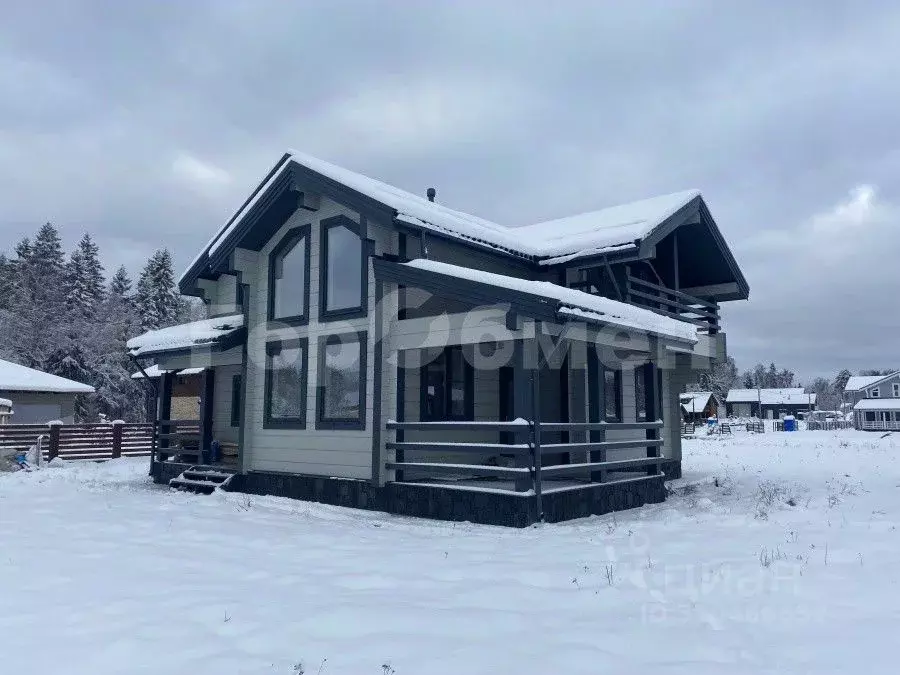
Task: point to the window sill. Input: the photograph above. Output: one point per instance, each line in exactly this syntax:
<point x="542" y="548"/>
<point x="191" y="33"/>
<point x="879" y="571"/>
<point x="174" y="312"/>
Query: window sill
<point x="287" y="322"/>
<point x="339" y="314"/>
<point x="284" y="424"/>
<point x="345" y="424"/>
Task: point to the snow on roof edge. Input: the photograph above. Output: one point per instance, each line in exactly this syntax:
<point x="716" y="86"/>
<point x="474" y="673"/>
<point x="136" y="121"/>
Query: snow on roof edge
<point x="419" y="211"/>
<point x="16" y="377"/>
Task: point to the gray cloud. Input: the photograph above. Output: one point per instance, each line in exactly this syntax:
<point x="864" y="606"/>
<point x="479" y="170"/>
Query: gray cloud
<point x="148" y="122"/>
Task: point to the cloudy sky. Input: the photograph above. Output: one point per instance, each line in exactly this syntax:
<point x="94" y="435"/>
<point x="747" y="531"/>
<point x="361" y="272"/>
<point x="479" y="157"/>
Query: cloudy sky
<point x="146" y="123"/>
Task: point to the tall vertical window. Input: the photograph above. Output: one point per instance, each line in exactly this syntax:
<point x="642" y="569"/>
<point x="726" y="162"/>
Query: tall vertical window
<point x="286" y="378"/>
<point x="896" y="390"/>
<point x="613" y="391"/>
<point x="447" y="387"/>
<point x="343" y="289"/>
<point x="341" y="400"/>
<point x="289" y="278"/>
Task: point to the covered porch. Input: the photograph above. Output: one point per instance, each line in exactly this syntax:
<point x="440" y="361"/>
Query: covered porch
<point x="201" y="425"/>
<point x="557" y="408"/>
<point x="877" y="414"/>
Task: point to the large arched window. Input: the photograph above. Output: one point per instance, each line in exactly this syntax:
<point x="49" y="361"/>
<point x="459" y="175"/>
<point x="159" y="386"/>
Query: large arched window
<point x="289" y="278"/>
<point x="343" y="275"/>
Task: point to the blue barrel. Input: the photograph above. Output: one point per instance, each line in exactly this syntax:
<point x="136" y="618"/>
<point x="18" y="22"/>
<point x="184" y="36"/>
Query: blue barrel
<point x="790" y="424"/>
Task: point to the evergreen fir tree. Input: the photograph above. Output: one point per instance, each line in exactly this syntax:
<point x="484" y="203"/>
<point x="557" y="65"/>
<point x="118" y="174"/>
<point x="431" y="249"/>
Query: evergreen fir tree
<point x="157" y="300"/>
<point x="85" y="278"/>
<point x="120" y="284"/>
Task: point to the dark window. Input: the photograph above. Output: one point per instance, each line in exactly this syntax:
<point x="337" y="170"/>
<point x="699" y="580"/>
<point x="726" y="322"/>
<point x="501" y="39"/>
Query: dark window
<point x="447" y="387"/>
<point x="613" y="390"/>
<point x="289" y="278"/>
<point x="342" y="382"/>
<point x="343" y="263"/>
<point x="236" y="400"/>
<point x="870" y="417"/>
<point x="285" y="395"/>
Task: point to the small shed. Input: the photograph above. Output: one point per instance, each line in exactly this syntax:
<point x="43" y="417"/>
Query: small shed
<point x="37" y="397"/>
<point x="698" y="406"/>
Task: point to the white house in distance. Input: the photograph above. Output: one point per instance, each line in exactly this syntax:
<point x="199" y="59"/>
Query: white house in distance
<point x="769" y="403"/>
<point x="875" y="400"/>
<point x="38" y="397"/>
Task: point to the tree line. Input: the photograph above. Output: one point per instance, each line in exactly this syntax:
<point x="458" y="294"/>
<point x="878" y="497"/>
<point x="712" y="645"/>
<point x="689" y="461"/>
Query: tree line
<point x="63" y="316"/>
<point x="725" y="376"/>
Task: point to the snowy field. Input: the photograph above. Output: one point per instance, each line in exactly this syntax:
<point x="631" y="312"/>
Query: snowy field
<point x="784" y="558"/>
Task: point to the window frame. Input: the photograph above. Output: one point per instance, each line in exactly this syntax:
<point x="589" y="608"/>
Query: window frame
<point x="274" y="347"/>
<point x="875" y="392"/>
<point x="896" y="389"/>
<point x="325" y="226"/>
<point x="619" y="394"/>
<point x="302" y="232"/>
<point x="468" y="388"/>
<point x="236" y="400"/>
<point x="352" y="423"/>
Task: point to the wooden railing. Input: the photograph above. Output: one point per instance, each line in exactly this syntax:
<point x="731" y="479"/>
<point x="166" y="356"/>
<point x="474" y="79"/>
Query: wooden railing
<point x="828" y="425"/>
<point x="528" y="451"/>
<point x="177" y="437"/>
<point x="880" y="425"/>
<point x="672" y="303"/>
<point x="79" y="441"/>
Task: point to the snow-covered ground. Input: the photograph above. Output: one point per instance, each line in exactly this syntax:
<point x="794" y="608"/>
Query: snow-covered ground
<point x="784" y="558"/>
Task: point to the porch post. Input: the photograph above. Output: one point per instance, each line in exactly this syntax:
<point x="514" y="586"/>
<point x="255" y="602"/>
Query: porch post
<point x="164" y="409"/>
<point x="522" y="408"/>
<point x="651" y="395"/>
<point x="596" y="407"/>
<point x="207" y="389"/>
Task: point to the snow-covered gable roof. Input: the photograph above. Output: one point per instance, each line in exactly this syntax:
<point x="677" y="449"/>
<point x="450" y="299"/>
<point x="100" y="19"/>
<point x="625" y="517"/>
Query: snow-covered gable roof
<point x="571" y="303"/>
<point x="186" y="336"/>
<point x="859" y="382"/>
<point x="791" y="396"/>
<point x="878" y="404"/>
<point x="695" y="400"/>
<point x="598" y="232"/>
<point x="14" y="377"/>
<point x="548" y="242"/>
<point x="155" y="371"/>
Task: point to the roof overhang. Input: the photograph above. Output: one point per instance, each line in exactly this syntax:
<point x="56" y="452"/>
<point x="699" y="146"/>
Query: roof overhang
<point x="524" y="303"/>
<point x="198" y="337"/>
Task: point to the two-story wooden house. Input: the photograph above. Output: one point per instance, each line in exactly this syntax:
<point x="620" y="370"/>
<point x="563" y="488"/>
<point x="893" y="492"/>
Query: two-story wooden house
<point x="378" y="349"/>
<point x="875" y="401"/>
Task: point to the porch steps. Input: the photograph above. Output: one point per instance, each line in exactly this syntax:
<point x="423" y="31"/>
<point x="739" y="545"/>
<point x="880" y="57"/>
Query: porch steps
<point x="201" y="479"/>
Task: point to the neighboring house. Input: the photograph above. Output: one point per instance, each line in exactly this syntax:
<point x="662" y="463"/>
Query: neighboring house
<point x="384" y="350"/>
<point x="38" y="397"/>
<point x="875" y="400"/>
<point x="776" y="403"/>
<point x="185" y="392"/>
<point x="860" y="387"/>
<point x="699" y="406"/>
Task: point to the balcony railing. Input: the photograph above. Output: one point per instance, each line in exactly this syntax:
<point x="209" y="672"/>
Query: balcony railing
<point x="672" y="303"/>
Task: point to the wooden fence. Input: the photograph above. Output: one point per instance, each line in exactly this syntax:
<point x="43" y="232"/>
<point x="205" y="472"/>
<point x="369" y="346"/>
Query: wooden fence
<point x="529" y="470"/>
<point x="80" y="441"/>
